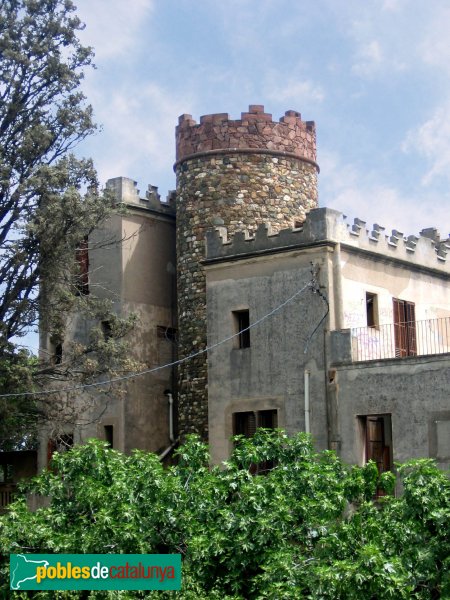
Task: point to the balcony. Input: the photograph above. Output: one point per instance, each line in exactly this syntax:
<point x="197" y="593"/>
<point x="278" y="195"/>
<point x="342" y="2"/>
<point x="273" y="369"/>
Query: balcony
<point x="399" y="340"/>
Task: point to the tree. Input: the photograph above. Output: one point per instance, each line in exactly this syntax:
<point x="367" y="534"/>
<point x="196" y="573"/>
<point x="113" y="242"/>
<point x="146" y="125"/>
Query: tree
<point x="309" y="528"/>
<point x="50" y="201"/>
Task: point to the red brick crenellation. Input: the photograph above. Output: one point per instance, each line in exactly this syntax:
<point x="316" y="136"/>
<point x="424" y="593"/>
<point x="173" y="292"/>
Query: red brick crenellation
<point x="255" y="131"/>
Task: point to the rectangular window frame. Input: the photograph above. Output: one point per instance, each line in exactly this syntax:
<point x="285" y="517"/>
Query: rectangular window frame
<point x="241" y="322"/>
<point x="405" y="337"/>
<point x="377" y="442"/>
<point x="247" y="422"/>
<point x="372" y="314"/>
<point x="108" y="431"/>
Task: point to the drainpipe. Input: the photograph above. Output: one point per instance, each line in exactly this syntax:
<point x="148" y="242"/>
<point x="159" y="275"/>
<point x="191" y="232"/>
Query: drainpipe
<point x="168" y="393"/>
<point x="307" y="427"/>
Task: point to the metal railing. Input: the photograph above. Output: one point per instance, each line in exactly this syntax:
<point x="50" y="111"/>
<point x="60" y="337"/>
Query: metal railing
<point x="398" y="340"/>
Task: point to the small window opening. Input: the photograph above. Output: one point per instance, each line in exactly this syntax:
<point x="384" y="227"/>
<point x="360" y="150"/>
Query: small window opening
<point x="241" y="324"/>
<point x="6" y="473"/>
<point x="58" y="354"/>
<point x="109" y="435"/>
<point x="246" y="423"/>
<point x="106" y="329"/>
<point x="372" y="310"/>
<point x="377" y="442"/>
<point x="82" y="259"/>
<point x="168" y="333"/>
<point x="60" y="443"/>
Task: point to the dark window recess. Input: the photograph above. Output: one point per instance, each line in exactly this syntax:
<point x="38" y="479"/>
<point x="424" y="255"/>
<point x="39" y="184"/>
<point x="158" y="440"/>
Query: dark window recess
<point x="372" y="310"/>
<point x="241" y="324"/>
<point x="106" y="329"/>
<point x="246" y="423"/>
<point x="377" y="433"/>
<point x="58" y="354"/>
<point x="6" y="473"/>
<point x="60" y="443"/>
<point x="167" y="333"/>
<point x="166" y="344"/>
<point x="404" y="328"/>
<point x="82" y="277"/>
<point x="109" y="435"/>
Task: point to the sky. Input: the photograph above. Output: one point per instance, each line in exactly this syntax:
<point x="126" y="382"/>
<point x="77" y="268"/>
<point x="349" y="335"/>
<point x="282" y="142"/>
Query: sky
<point x="373" y="75"/>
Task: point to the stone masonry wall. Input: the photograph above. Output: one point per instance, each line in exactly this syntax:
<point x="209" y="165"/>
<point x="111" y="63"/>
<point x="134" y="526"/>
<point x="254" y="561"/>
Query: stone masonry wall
<point x="238" y="174"/>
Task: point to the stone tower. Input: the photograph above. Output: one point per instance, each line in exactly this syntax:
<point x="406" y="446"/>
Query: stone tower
<point x="237" y="173"/>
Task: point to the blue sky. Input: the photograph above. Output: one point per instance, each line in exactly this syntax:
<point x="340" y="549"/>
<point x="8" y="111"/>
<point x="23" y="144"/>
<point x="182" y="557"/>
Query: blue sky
<point x="373" y="75"/>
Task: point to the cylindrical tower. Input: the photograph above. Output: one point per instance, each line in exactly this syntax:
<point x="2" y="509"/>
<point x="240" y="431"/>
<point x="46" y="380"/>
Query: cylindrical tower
<point x="237" y="173"/>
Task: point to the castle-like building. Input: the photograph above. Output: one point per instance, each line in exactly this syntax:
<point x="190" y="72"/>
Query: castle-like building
<point x="287" y="315"/>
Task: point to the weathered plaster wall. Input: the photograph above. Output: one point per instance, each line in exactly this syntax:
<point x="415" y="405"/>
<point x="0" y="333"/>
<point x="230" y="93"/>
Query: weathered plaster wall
<point x="414" y="391"/>
<point x="132" y="263"/>
<point x="254" y="272"/>
<point x="270" y="373"/>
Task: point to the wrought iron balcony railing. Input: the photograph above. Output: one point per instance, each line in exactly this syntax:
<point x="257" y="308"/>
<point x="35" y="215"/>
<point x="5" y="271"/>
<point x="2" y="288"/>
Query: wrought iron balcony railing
<point x="398" y="340"/>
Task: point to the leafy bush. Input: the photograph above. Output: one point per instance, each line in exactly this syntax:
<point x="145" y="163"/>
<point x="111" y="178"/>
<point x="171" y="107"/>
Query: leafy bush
<point x="309" y="528"/>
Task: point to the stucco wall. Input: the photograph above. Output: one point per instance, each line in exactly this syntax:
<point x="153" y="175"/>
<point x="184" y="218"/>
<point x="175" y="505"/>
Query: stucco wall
<point x="414" y="391"/>
<point x="361" y="273"/>
<point x="270" y="373"/>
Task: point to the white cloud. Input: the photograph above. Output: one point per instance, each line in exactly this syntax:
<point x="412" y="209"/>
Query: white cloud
<point x="301" y="92"/>
<point x="367" y="196"/>
<point x="112" y="26"/>
<point x="138" y="136"/>
<point x="435" y="47"/>
<point x="372" y="58"/>
<point x="432" y="141"/>
<point x="393" y="5"/>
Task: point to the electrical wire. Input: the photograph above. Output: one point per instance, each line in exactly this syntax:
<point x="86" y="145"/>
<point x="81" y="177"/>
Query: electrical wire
<point x="311" y="284"/>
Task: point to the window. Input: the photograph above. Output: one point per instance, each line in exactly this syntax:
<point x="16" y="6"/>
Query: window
<point x="109" y="435"/>
<point x="82" y="259"/>
<point x="377" y="442"/>
<point x="106" y="329"/>
<point x="246" y="423"/>
<point x="241" y="320"/>
<point x="60" y="443"/>
<point x="6" y="473"/>
<point x="58" y="354"/>
<point x="166" y="344"/>
<point x="56" y="350"/>
<point x="167" y="333"/>
<point x="404" y="328"/>
<point x="372" y="310"/>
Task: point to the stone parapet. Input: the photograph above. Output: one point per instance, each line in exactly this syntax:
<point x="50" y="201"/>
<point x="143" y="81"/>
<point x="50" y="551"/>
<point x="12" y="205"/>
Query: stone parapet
<point x="126" y="192"/>
<point x="327" y="225"/>
<point x="253" y="132"/>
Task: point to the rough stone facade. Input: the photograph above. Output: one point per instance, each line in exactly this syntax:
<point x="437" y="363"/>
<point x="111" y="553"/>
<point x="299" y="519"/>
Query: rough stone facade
<point x="238" y="174"/>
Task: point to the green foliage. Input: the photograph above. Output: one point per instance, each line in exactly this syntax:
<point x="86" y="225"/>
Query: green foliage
<point x="50" y="203"/>
<point x="18" y="415"/>
<point x="42" y="117"/>
<point x="309" y="528"/>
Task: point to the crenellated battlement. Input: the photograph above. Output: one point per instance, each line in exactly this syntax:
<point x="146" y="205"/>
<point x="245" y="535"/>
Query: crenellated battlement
<point x="328" y="225"/>
<point x="254" y="132"/>
<point x="127" y="192"/>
